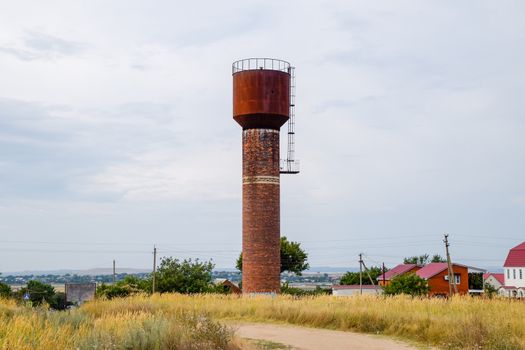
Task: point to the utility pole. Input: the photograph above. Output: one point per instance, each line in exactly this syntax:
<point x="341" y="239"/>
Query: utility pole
<point x="368" y="273"/>
<point x="451" y="277"/>
<point x="384" y="277"/>
<point x="154" y="269"/>
<point x="360" y="273"/>
<point x="114" y="279"/>
<point x="370" y="277"/>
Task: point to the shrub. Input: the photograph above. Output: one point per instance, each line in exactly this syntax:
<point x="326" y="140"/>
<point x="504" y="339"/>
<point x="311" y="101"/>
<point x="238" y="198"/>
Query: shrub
<point x="489" y="290"/>
<point x="185" y="276"/>
<point x="39" y="293"/>
<point x="353" y="277"/>
<point x="408" y="283"/>
<point x="286" y="289"/>
<point x="128" y="286"/>
<point x="5" y="290"/>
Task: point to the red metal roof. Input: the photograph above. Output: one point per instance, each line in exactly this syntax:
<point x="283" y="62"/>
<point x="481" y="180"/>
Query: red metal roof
<point x="499" y="276"/>
<point x="516" y="257"/>
<point x="431" y="270"/>
<point x="398" y="270"/>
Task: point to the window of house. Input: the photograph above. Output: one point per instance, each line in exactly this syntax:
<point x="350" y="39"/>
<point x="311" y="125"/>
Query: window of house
<point x="514" y="273"/>
<point x="508" y="273"/>
<point x="521" y="274"/>
<point x="457" y="278"/>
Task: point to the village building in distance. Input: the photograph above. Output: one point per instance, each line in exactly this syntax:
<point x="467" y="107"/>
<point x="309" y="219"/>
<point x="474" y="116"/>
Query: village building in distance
<point x="400" y="269"/>
<point x="511" y="283"/>
<point x="349" y="290"/>
<point x="79" y="293"/>
<point x="494" y="279"/>
<point x="436" y="275"/>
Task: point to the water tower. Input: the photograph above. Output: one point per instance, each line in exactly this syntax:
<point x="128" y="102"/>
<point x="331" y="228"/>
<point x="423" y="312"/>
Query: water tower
<point x="263" y="100"/>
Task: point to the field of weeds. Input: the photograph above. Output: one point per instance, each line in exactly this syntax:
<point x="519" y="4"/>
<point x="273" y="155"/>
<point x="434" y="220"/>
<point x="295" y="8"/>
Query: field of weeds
<point x="459" y="323"/>
<point x="127" y="327"/>
<point x="173" y="321"/>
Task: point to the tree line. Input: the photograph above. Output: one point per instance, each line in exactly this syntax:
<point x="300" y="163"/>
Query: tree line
<point x="194" y="276"/>
<point x="35" y="293"/>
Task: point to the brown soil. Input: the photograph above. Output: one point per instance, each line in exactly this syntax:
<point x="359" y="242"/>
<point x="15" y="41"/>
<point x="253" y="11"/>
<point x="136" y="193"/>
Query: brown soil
<point x="301" y="338"/>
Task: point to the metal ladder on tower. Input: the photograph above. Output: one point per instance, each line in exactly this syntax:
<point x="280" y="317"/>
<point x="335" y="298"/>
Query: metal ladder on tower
<point x="290" y="165"/>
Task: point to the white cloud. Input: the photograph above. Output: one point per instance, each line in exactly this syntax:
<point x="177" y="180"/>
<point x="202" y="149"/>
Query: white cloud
<point x="210" y="174"/>
<point x="409" y="118"/>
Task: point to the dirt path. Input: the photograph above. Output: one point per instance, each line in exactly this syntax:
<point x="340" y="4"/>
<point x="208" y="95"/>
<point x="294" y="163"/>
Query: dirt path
<point x="317" y="339"/>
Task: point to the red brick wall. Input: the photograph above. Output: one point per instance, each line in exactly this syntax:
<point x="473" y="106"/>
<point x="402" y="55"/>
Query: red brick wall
<point x="261" y="211"/>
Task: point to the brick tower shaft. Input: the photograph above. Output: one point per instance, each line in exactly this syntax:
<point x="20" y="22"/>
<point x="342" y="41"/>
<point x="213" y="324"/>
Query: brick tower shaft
<point x="261" y="211"/>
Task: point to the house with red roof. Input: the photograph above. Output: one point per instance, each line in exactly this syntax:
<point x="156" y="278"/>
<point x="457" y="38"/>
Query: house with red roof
<point x="436" y="274"/>
<point x="496" y="280"/>
<point x="384" y="279"/>
<point x="514" y="272"/>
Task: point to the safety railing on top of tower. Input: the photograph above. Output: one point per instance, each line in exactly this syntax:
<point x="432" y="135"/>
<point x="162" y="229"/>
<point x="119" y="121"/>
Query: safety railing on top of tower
<point x="260" y="63"/>
<point x="287" y="166"/>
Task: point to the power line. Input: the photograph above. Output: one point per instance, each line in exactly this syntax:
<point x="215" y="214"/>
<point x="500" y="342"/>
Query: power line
<point x="114" y="243"/>
<point x="369" y="237"/>
<point x="74" y="251"/>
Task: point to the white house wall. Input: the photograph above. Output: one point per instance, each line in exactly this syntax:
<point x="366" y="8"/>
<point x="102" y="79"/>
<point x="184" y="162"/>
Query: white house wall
<point x="515" y="277"/>
<point x="493" y="282"/>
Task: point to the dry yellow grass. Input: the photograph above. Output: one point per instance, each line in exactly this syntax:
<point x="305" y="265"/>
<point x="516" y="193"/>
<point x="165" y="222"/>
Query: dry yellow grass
<point x="173" y="321"/>
<point x="459" y="323"/>
<point x="24" y="328"/>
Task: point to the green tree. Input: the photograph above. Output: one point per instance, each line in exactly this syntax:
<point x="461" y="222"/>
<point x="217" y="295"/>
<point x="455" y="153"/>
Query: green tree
<point x="490" y="291"/>
<point x="353" y="277"/>
<point x="137" y="283"/>
<point x="5" y="290"/>
<point x="58" y="302"/>
<point x="116" y="290"/>
<point x="127" y="286"/>
<point x="436" y="258"/>
<point x="39" y="292"/>
<point x="185" y="276"/>
<point x="423" y="259"/>
<point x="408" y="283"/>
<point x="298" y="292"/>
<point x="293" y="257"/>
<point x="475" y="281"/>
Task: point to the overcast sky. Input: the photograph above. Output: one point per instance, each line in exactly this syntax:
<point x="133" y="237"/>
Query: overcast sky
<point x="116" y="129"/>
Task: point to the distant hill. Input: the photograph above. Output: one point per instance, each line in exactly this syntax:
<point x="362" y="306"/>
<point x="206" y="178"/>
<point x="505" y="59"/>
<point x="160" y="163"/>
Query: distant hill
<point x="88" y="272"/>
<point x="109" y="271"/>
<point x="330" y="269"/>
